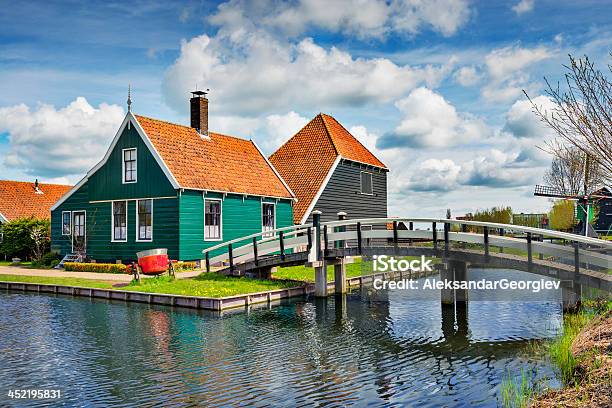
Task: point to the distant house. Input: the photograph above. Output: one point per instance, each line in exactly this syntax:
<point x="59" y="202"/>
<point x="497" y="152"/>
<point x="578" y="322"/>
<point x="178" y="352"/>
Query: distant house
<point x="164" y="185"/>
<point x="603" y="224"/>
<point x="329" y="170"/>
<point x="19" y="199"/>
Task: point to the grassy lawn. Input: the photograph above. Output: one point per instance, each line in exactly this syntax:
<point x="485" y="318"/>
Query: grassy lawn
<point x="357" y="268"/>
<point x="22" y="264"/>
<point x="208" y="285"/>
<point x="86" y="283"/>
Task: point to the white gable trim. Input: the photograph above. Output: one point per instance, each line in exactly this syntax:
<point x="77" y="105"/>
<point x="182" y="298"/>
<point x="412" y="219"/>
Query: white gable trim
<point x="323" y="185"/>
<point x="129" y="118"/>
<point x="274" y="170"/>
<point x="3" y="218"/>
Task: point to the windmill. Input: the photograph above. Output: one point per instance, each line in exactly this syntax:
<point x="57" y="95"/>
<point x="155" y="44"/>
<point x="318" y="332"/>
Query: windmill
<point x="585" y="200"/>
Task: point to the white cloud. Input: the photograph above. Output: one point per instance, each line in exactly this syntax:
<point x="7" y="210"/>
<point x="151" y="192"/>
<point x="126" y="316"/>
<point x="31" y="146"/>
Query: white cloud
<point x="523" y="6"/>
<point x="252" y="73"/>
<point x="434" y="175"/>
<point x="467" y="76"/>
<point x="505" y="68"/>
<point x="496" y="169"/>
<point x="430" y="121"/>
<point x="361" y="18"/>
<point x="279" y="128"/>
<point x="445" y="16"/>
<point x="52" y="142"/>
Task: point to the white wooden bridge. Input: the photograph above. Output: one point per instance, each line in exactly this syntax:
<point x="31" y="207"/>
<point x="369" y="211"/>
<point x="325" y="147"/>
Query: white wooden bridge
<point x="568" y="257"/>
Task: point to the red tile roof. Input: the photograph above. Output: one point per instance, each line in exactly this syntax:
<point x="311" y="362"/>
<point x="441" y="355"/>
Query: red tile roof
<point x="305" y="160"/>
<point x="218" y="163"/>
<point x="20" y="199"/>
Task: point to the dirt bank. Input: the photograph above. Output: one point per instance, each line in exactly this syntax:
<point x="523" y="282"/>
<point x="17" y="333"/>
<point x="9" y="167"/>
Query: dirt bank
<point x="592" y="385"/>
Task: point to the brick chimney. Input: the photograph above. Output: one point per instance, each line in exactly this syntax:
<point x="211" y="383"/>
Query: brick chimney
<point x="199" y="112"/>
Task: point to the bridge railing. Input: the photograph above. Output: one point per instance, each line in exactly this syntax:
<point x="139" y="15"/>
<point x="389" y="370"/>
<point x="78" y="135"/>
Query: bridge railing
<point x="251" y="247"/>
<point x="442" y="233"/>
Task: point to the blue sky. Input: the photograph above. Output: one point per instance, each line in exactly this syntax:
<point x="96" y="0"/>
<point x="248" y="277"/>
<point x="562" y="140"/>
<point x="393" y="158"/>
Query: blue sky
<point x="433" y="88"/>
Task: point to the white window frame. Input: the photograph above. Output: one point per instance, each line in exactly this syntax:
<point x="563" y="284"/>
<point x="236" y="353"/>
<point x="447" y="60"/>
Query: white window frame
<point x="123" y="165"/>
<point x="70" y="226"/>
<point x="361" y="182"/>
<point x="262" y="220"/>
<point x="220" y="201"/>
<point x="137" y="229"/>
<point x="126" y="220"/>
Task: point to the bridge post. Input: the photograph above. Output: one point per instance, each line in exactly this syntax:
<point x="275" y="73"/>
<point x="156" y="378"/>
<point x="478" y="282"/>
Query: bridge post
<point x="486" y="243"/>
<point x="319" y="263"/>
<point x="340" y="276"/>
<point x="571" y="294"/>
<point x="434" y="236"/>
<point x="529" y="252"/>
<point x="446" y="238"/>
<point x="501" y="234"/>
<point x="341" y="217"/>
<point x="395" y="240"/>
<point x="456" y="271"/>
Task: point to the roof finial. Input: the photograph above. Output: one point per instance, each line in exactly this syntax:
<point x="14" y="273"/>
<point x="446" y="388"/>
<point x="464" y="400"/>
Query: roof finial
<point x="129" y="99"/>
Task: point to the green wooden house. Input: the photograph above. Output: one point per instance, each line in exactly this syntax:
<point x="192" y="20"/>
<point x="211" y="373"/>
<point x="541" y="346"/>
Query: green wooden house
<point x="163" y="185"/>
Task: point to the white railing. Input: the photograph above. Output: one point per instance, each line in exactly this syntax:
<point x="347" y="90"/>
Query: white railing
<point x="338" y="233"/>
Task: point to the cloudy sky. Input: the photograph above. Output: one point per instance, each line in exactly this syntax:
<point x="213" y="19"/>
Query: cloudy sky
<point x="433" y="87"/>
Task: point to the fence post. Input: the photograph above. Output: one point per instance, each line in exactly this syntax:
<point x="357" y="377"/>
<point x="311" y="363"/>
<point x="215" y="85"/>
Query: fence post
<point x="309" y="232"/>
<point x="359" y="249"/>
<point x="501" y="234"/>
<point x="434" y="236"/>
<point x="576" y="257"/>
<point x="486" y="242"/>
<point x="231" y="258"/>
<point x="255" y="259"/>
<point x="446" y="237"/>
<point x="341" y="217"/>
<point x="207" y="262"/>
<point x="395" y="241"/>
<point x="316" y="222"/>
<point x="281" y="239"/>
<point x="529" y="253"/>
<point x="325" y="240"/>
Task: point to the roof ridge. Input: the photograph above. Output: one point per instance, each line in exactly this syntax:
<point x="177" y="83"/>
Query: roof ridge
<point x="331" y="139"/>
<point x="292" y="136"/>
<point x="354" y="137"/>
<point x="189" y="127"/>
<point x="39" y="182"/>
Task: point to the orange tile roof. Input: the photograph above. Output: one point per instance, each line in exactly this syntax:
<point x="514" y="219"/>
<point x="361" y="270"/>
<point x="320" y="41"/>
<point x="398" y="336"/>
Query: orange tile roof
<point x="220" y="163"/>
<point x="19" y="199"/>
<point x="347" y="145"/>
<point x="305" y="160"/>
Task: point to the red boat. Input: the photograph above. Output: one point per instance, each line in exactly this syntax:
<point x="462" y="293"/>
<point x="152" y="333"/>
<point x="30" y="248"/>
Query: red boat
<point x="153" y="261"/>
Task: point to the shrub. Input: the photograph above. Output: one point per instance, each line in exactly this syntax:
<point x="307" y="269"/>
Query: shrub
<point x="48" y="260"/>
<point x="95" y="267"/>
<point x="18" y="238"/>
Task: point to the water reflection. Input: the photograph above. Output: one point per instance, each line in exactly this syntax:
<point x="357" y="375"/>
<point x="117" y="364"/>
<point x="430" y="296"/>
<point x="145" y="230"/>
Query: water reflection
<point x="383" y="350"/>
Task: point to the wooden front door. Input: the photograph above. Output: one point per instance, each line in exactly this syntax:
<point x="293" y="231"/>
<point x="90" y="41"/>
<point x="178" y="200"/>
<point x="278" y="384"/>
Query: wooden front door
<point x="79" y="232"/>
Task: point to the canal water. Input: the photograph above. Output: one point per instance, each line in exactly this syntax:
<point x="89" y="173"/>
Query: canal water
<point x="387" y="349"/>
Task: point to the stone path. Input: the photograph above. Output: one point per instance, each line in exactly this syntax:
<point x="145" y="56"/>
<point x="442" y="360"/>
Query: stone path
<point x="60" y="273"/>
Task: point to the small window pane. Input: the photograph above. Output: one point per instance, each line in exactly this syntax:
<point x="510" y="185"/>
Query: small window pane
<point x="145" y="219"/>
<point x="129" y="165"/>
<point x="212" y="219"/>
<point x="366" y="183"/>
<point x="66" y="223"/>
<point x="119" y="221"/>
<point x="267" y="219"/>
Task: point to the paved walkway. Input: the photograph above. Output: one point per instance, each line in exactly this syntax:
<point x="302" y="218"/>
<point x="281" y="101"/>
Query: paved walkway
<point x="60" y="273"/>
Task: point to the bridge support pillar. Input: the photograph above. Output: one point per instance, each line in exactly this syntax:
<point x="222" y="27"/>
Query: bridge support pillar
<point x="321" y="279"/>
<point x="571" y="294"/>
<point x="340" y="277"/>
<point x="456" y="271"/>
